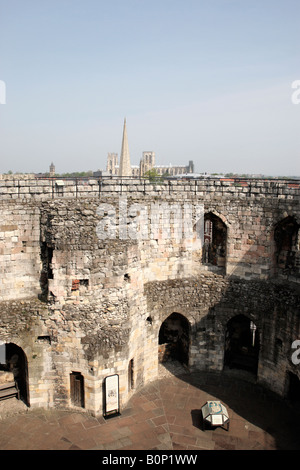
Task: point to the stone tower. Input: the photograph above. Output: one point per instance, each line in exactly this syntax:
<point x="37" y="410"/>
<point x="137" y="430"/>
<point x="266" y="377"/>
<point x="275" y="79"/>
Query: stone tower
<point x="112" y="164"/>
<point x="52" y="169"/>
<point x="147" y="162"/>
<point x="125" y="166"/>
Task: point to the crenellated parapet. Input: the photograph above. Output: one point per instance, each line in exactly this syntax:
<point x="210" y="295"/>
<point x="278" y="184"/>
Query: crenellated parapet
<point x="31" y="187"/>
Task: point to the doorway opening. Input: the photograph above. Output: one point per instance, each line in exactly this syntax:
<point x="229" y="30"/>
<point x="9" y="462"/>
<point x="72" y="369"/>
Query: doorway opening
<point x="174" y="339"/>
<point x="241" y="344"/>
<point x="16" y="363"/>
<point x="77" y="389"/>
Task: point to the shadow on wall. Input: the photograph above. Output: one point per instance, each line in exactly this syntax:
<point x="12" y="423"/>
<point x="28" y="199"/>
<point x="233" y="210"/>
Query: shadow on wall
<point x="286" y="249"/>
<point x="173" y="339"/>
<point x="227" y="323"/>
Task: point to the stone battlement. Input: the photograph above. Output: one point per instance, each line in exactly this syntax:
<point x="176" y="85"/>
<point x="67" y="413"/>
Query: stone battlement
<point x="29" y="187"/>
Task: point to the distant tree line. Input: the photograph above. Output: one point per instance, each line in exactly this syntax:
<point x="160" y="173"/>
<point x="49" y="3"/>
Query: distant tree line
<point x="74" y="174"/>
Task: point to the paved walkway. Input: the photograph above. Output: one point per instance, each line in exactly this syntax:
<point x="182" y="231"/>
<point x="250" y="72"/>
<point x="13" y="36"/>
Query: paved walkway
<point x="164" y="415"/>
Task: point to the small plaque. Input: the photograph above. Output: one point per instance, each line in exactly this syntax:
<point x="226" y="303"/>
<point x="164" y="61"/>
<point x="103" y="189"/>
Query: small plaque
<point x="111" y="395"/>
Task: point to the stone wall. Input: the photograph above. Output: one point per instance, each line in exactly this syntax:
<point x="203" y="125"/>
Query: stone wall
<point x="19" y="250"/>
<point x="210" y="300"/>
<point x="76" y="299"/>
<point x="30" y="187"/>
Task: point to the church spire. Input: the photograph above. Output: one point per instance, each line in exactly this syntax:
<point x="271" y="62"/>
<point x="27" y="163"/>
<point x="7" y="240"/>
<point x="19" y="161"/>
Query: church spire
<point x="125" y="166"/>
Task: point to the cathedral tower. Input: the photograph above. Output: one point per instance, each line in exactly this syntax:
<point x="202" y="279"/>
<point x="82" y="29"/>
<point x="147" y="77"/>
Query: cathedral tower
<point x="125" y="166"/>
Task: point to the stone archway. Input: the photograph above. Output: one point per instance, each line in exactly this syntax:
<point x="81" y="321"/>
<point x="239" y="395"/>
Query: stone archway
<point x="241" y="344"/>
<point x="174" y="339"/>
<point x="16" y="362"/>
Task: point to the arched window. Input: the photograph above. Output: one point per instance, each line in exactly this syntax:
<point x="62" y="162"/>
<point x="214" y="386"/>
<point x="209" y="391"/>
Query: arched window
<point x="215" y="241"/>
<point x="287" y="254"/>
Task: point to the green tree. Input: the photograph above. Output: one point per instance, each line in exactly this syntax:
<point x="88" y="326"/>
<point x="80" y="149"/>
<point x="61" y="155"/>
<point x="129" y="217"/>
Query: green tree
<point x="153" y="176"/>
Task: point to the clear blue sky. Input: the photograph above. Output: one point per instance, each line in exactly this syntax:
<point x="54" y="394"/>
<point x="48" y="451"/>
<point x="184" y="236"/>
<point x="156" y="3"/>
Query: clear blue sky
<point x="202" y="80"/>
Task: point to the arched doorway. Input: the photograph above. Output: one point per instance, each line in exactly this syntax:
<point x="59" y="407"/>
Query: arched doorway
<point x="16" y="362"/>
<point x="241" y="344"/>
<point x="173" y="339"/>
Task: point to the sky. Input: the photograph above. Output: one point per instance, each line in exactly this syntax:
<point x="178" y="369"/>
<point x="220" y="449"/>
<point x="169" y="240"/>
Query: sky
<point x="202" y="80"/>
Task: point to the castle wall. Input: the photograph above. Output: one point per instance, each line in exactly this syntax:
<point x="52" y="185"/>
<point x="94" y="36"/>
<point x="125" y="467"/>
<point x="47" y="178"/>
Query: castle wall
<point x="20" y="264"/>
<point x="76" y="299"/>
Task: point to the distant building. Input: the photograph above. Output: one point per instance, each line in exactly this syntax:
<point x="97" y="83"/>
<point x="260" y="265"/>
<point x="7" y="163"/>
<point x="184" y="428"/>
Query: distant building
<point x="52" y="169"/>
<point x="125" y="166"/>
<point x="176" y="169"/>
<point x="112" y="165"/>
<point x="147" y="163"/>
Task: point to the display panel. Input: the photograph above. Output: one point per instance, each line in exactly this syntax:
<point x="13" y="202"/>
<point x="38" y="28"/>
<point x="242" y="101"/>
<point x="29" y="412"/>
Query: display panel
<point x="111" y="405"/>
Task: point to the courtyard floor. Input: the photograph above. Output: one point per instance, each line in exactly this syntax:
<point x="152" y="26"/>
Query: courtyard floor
<point x="164" y="415"/>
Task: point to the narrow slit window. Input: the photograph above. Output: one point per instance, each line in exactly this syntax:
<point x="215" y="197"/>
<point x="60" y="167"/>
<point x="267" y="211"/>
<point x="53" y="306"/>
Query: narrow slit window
<point x="130" y="375"/>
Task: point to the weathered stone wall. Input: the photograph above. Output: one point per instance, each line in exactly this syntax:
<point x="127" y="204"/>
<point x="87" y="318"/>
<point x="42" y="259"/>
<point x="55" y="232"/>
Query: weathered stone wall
<point x="210" y="300"/>
<point x="19" y="250"/>
<point x="76" y="300"/>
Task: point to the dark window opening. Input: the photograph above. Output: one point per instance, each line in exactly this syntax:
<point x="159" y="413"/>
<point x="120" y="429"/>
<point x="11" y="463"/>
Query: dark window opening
<point x="130" y="375"/>
<point x="174" y="339"/>
<point x="277" y="349"/>
<point x="127" y="277"/>
<point x="77" y="389"/>
<point x="47" y="273"/>
<point x="287" y="254"/>
<point x="44" y="339"/>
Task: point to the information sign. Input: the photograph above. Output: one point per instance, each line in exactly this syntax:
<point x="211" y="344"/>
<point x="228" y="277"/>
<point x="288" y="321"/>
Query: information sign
<point x="111" y="395"/>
